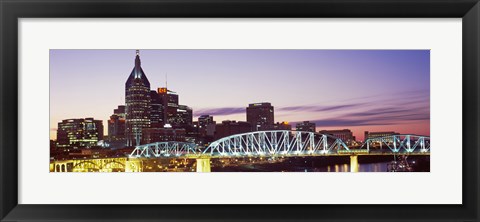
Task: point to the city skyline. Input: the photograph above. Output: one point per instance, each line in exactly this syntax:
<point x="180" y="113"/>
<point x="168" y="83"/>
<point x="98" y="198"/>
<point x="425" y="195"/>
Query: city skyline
<point x="362" y="90"/>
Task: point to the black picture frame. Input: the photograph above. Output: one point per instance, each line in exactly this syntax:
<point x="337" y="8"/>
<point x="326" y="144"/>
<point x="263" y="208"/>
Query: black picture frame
<point x="12" y="10"/>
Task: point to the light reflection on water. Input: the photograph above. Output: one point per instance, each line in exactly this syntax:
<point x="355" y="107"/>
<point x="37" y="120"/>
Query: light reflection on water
<point x="369" y="167"/>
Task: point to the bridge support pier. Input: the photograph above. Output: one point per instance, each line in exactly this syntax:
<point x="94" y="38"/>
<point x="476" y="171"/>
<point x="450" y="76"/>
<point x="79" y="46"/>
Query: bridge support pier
<point x="203" y="165"/>
<point x="133" y="165"/>
<point x="58" y="167"/>
<point x="354" y="163"/>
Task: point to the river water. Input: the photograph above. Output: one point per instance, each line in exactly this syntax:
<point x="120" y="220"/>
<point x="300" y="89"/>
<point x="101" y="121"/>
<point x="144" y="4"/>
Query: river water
<point x="369" y="167"/>
<point x="294" y="164"/>
<point x="341" y="167"/>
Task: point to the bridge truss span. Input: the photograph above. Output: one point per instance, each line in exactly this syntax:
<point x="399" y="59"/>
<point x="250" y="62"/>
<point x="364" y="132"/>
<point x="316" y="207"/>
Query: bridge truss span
<point x="276" y="142"/>
<point x="399" y="143"/>
<point x="285" y="143"/>
<point x="164" y="149"/>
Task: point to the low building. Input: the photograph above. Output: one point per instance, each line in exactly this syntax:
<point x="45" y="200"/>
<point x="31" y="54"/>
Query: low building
<point x="209" y="130"/>
<point x="231" y="127"/>
<point x="275" y="126"/>
<point x="206" y="126"/>
<point x="282" y="126"/>
<point x="153" y="135"/>
<point x="201" y="132"/>
<point x="79" y="133"/>
<point x="116" y="128"/>
<point x="345" y="135"/>
<point x="183" y="117"/>
<point x="306" y="126"/>
<point x="372" y="135"/>
<point x="205" y="120"/>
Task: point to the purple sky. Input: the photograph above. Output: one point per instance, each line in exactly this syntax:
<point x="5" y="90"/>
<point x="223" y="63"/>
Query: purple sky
<point x="375" y="90"/>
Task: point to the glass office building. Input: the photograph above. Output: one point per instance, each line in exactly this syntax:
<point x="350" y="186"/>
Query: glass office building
<point x="137" y="104"/>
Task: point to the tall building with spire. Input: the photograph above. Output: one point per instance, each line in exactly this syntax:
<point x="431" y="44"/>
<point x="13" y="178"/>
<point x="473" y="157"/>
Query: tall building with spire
<point x="137" y="104"/>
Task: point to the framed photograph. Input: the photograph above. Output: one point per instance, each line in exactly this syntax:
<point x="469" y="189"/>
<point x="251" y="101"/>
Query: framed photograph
<point x="226" y="110"/>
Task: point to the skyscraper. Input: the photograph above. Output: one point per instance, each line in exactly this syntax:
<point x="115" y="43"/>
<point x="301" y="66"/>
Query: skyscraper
<point x="169" y="100"/>
<point x="174" y="114"/>
<point x="156" y="110"/>
<point x="137" y="104"/>
<point x="260" y="116"/>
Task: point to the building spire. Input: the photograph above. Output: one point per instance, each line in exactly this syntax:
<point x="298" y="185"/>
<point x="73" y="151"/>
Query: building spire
<point x="137" y="59"/>
<point x="137" y="64"/>
<point x="166" y="80"/>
